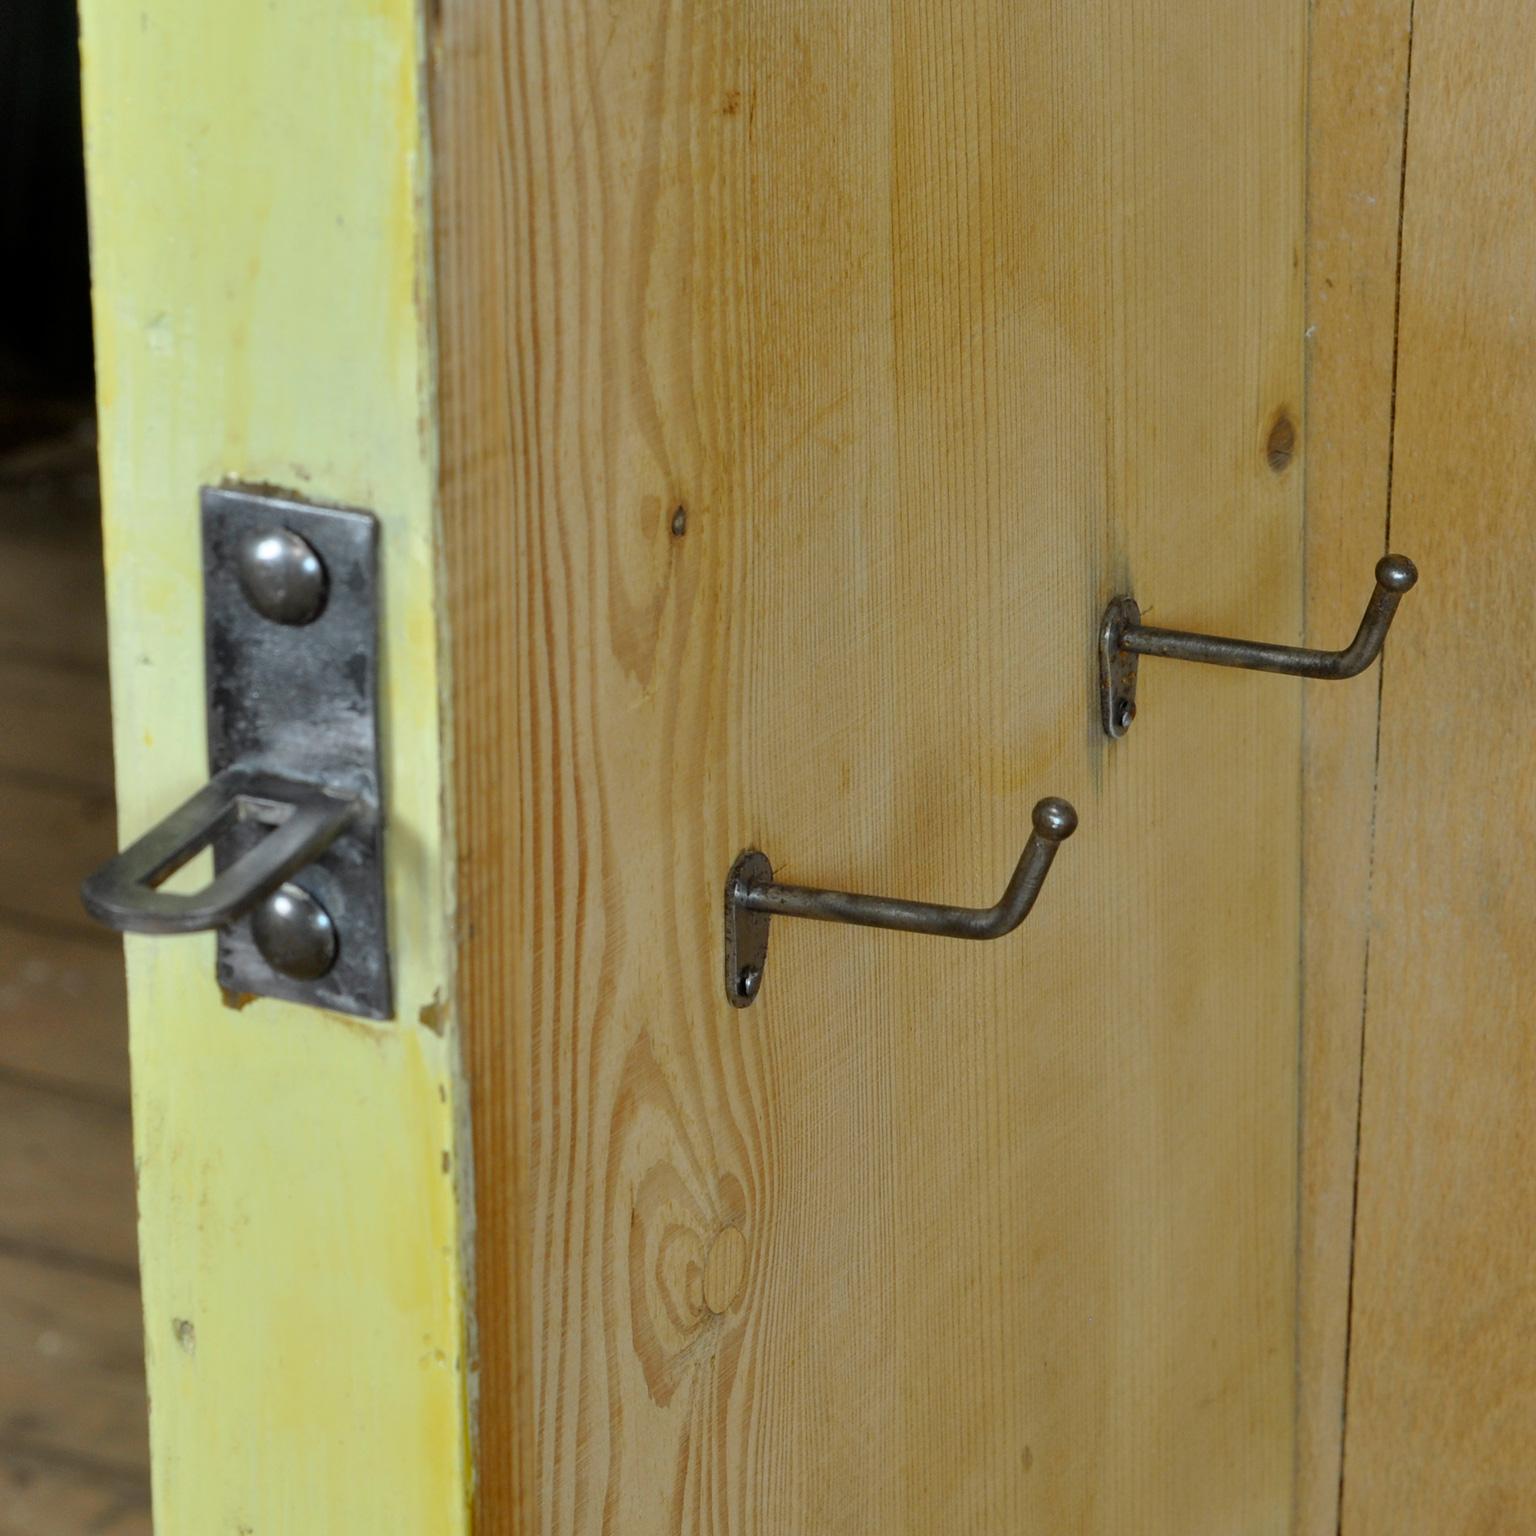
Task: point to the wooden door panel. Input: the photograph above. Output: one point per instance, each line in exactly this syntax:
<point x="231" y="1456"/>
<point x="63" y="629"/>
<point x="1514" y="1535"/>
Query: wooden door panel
<point x="809" y="381"/>
<point x="1441" y="1390"/>
<point x="1356" y="95"/>
<point x="263" y="314"/>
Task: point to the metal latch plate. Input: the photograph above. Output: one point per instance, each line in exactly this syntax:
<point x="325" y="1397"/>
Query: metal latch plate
<point x="300" y="701"/>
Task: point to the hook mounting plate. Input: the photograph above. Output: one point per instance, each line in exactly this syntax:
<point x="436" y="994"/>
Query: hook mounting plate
<point x="1117" y="667"/>
<point x="746" y="932"/>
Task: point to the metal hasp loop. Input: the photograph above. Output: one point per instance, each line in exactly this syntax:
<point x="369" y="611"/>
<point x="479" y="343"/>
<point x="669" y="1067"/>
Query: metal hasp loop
<point x="293" y="812"/>
<point x="305" y="821"/>
<point x="1123" y="638"/>
<point x="752" y="898"/>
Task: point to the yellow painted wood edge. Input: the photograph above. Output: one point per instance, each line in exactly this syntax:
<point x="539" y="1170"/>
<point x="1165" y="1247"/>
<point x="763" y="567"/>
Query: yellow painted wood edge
<point x="262" y="299"/>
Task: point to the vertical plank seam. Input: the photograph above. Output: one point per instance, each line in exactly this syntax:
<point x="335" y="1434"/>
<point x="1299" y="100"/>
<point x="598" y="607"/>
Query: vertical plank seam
<point x="1365" y="989"/>
<point x="1299" y="1261"/>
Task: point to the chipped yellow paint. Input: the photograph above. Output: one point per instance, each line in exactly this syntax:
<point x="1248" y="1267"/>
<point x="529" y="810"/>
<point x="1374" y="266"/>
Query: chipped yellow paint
<point x="260" y="241"/>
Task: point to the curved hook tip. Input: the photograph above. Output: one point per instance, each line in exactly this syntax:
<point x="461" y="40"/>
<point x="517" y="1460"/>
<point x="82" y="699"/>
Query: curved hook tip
<point x="1397" y="573"/>
<point x="1055" y="819"/>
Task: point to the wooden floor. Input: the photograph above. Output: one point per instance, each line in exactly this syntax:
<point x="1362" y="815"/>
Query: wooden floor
<point x="73" y="1440"/>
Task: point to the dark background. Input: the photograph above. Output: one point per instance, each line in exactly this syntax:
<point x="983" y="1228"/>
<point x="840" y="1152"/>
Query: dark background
<point x="45" y="327"/>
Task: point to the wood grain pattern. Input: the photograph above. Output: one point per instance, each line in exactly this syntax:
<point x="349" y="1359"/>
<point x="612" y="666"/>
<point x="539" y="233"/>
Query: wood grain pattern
<point x="809" y="381"/>
<point x="1442" y="1378"/>
<point x="1356" y="108"/>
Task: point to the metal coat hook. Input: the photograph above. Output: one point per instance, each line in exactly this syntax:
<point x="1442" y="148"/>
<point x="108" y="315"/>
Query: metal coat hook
<point x="1123" y="638"/>
<point x="752" y="898"/>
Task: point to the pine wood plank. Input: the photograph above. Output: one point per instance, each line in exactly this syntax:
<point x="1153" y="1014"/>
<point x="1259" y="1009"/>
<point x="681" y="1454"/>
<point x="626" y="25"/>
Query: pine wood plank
<point x="809" y="382"/>
<point x="1442" y="1372"/>
<point x="1356" y="97"/>
<point x="72" y="1365"/>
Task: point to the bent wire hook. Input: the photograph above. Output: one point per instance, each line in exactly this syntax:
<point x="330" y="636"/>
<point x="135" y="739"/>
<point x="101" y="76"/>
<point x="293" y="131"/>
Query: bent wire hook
<point x="752" y="897"/>
<point x="1123" y="638"/>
